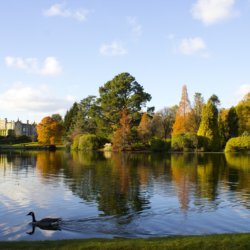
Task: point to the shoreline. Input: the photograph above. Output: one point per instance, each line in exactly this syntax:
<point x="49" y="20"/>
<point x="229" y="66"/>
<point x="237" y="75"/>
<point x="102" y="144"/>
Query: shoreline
<point x="215" y="241"/>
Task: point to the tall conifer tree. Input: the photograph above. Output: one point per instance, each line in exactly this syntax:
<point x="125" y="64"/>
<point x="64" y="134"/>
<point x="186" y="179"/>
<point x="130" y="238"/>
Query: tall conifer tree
<point x="184" y="120"/>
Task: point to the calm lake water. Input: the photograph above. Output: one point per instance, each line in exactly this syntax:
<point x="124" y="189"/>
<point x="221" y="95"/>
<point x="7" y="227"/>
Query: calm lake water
<point x="123" y="195"/>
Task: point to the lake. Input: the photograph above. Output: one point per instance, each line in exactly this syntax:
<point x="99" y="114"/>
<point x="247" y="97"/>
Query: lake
<point x="123" y="194"/>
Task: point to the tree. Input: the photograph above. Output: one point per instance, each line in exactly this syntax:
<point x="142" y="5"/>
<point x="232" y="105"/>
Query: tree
<point x="184" y="120"/>
<point x="144" y="131"/>
<point x="228" y="124"/>
<point x="85" y="118"/>
<point x="198" y="103"/>
<point x="122" y="136"/>
<point x="162" y="123"/>
<point x="49" y="131"/>
<point x="57" y="117"/>
<point x="70" y="118"/>
<point x="209" y="125"/>
<point x="123" y="92"/>
<point x="243" y="112"/>
<point x="232" y="120"/>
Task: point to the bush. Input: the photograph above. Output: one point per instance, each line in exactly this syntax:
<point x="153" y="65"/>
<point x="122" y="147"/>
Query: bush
<point x="75" y="144"/>
<point x="186" y="142"/>
<point x="158" y="145"/>
<point x="139" y="146"/>
<point x="10" y="139"/>
<point x="236" y="144"/>
<point x="87" y="142"/>
<point x="203" y="143"/>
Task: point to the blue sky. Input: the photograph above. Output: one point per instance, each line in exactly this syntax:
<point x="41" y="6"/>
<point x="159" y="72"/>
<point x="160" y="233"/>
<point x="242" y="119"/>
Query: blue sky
<point x="56" y="52"/>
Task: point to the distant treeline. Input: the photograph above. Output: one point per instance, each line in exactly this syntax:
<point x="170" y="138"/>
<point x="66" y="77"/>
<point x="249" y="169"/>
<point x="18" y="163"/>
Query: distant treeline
<point x="120" y="119"/>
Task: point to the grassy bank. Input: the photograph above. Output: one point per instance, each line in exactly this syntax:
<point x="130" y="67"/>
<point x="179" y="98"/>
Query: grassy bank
<point x="28" y="146"/>
<point x="220" y="242"/>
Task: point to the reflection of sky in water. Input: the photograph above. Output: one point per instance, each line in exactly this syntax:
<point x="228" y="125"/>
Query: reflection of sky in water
<point x="142" y="197"/>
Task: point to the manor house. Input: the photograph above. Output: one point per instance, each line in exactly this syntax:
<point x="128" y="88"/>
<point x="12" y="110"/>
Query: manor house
<point x="17" y="128"/>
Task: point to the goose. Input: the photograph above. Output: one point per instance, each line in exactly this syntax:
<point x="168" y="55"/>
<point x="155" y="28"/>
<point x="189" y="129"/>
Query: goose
<point x="46" y="222"/>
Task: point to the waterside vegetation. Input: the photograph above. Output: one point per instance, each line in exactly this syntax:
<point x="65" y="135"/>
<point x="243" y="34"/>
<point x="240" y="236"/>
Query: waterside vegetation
<point x="121" y="119"/>
<point x="220" y="242"/>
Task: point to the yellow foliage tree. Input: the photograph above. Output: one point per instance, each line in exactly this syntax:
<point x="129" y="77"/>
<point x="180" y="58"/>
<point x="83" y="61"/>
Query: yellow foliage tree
<point x="49" y="131"/>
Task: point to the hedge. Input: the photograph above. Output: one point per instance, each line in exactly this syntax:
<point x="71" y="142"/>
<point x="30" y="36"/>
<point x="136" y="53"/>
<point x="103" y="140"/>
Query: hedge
<point x="237" y="144"/>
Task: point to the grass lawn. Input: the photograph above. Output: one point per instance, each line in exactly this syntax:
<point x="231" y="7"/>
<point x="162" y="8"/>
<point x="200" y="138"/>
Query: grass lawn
<point x="211" y="242"/>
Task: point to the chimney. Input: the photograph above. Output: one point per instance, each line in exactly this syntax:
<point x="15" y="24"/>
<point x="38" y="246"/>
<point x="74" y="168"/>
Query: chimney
<point x="27" y="121"/>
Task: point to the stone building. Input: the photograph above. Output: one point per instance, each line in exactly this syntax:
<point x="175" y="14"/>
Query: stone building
<point x="17" y="128"/>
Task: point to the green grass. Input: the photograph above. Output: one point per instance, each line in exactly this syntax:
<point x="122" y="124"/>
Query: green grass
<point x="211" y="242"/>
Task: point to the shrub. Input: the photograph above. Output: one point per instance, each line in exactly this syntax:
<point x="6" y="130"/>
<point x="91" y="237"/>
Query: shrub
<point x="168" y="144"/>
<point x="158" y="145"/>
<point x="203" y="143"/>
<point x="236" y="144"/>
<point x="186" y="142"/>
<point x="75" y="144"/>
<point x="88" y="142"/>
<point x="10" y="139"/>
<point x="139" y="146"/>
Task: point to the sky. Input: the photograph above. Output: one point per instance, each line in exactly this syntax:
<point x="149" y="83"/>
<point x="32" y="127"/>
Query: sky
<point x="53" y="53"/>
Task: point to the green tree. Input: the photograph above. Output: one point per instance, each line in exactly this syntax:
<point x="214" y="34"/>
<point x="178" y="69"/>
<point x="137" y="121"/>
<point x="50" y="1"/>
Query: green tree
<point x="209" y="125"/>
<point x="58" y="118"/>
<point x="243" y="112"/>
<point x="197" y="108"/>
<point x="233" y="125"/>
<point x="122" y="92"/>
<point x="85" y="118"/>
<point x="70" y="118"/>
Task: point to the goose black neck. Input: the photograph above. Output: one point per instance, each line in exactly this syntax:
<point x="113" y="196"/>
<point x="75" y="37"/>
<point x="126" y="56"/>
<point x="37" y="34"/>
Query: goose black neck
<point x="33" y="217"/>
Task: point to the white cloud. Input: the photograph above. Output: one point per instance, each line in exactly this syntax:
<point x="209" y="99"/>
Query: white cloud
<point x="113" y="49"/>
<point x="190" y="46"/>
<point x="135" y="26"/>
<point x="213" y="11"/>
<point x="50" y="66"/>
<point x="242" y="91"/>
<point x="60" y="10"/>
<point x="35" y="102"/>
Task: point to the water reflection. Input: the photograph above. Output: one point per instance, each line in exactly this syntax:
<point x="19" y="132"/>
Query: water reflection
<point x="123" y="192"/>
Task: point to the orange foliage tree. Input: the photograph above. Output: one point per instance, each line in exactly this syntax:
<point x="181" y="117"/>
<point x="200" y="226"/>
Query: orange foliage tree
<point x="122" y="137"/>
<point x="185" y="119"/>
<point x="49" y="131"/>
<point x="143" y="129"/>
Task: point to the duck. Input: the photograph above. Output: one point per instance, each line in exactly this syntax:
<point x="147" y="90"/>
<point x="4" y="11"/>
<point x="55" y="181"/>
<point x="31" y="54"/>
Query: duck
<point x="45" y="222"/>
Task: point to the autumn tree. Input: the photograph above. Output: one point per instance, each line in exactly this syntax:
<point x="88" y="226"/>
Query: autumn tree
<point x="49" y="131"/>
<point x="122" y="136"/>
<point x="162" y="122"/>
<point x="209" y="125"/>
<point x="184" y="120"/>
<point x="144" y="130"/>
